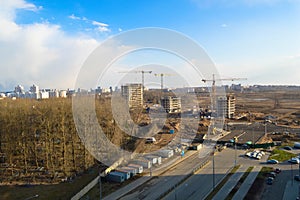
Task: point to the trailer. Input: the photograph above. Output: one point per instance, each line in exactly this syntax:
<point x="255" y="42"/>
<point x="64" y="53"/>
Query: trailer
<point x="115" y="177"/>
<point x="166" y="153"/>
<point x="154" y="158"/>
<point x="145" y="163"/>
<point x="139" y="168"/>
<point x="125" y="172"/>
<point x="132" y="171"/>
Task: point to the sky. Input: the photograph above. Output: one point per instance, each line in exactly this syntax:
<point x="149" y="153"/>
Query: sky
<point x="47" y="42"/>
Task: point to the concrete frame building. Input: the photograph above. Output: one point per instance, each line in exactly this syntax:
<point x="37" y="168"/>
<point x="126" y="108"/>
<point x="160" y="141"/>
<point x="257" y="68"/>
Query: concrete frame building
<point x="226" y="106"/>
<point x="133" y="93"/>
<point x="171" y="104"/>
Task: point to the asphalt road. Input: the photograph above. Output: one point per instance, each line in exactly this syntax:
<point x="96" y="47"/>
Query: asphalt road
<point x="158" y="185"/>
<point x="276" y="190"/>
<point x="199" y="185"/>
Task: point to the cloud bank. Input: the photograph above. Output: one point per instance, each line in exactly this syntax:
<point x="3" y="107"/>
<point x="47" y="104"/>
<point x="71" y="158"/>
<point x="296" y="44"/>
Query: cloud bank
<point x="40" y="53"/>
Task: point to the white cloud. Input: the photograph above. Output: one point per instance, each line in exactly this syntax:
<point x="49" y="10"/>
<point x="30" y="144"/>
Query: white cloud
<point x="74" y="17"/>
<point x="8" y="8"/>
<point x="101" y="27"/>
<point x="224" y="25"/>
<point x="99" y="24"/>
<point x="40" y="53"/>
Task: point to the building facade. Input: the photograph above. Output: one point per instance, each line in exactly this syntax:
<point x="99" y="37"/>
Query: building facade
<point x="133" y="93"/>
<point x="171" y="104"/>
<point x="226" y="106"/>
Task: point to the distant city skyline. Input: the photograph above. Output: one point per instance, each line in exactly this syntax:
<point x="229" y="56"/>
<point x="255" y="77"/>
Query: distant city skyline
<point x="46" y="42"/>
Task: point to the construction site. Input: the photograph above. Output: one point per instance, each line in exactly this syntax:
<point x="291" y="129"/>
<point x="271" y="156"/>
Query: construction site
<point x="252" y="119"/>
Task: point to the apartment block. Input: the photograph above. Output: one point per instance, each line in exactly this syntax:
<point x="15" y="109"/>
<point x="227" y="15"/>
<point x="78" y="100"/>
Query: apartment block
<point x="133" y="93"/>
<point x="226" y="106"/>
<point x="171" y="104"/>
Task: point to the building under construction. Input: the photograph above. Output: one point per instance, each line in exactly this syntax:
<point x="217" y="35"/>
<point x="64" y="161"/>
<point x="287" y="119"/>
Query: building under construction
<point x="133" y="93"/>
<point x="171" y="104"/>
<point x="226" y="106"/>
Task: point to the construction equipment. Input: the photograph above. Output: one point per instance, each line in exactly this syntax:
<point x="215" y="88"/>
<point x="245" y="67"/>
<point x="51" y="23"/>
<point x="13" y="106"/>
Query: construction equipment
<point x="139" y="71"/>
<point x="213" y="80"/>
<point x="162" y="79"/>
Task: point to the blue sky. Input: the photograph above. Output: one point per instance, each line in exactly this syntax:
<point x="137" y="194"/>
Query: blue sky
<point x="257" y="39"/>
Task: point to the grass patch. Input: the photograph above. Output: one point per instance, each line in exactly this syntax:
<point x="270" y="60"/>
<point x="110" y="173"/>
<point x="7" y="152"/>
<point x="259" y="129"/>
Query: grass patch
<point x="281" y="155"/>
<point x="257" y="187"/>
<point x="55" y="191"/>
<point x="107" y="188"/>
<point x="220" y="185"/>
<point x="239" y="183"/>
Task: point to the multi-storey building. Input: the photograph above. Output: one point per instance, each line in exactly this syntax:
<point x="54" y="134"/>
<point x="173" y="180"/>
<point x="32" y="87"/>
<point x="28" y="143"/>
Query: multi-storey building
<point x="226" y="106"/>
<point x="171" y="104"/>
<point x="133" y="93"/>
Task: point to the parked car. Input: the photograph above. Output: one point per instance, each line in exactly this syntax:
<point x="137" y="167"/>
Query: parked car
<point x="277" y="170"/>
<point x="258" y="156"/>
<point x="294" y="160"/>
<point x="272" y="161"/>
<point x="272" y="174"/>
<point x="297" y="177"/>
<point x="288" y="148"/>
<point x="270" y="180"/>
<point x="248" y="154"/>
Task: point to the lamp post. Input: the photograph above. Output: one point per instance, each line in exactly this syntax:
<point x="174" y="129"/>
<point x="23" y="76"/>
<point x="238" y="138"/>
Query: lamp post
<point x="292" y="174"/>
<point x="235" y="153"/>
<point x="213" y="154"/>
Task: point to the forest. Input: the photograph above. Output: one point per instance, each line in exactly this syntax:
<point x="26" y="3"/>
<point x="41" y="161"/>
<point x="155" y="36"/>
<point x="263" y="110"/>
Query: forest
<point x="39" y="143"/>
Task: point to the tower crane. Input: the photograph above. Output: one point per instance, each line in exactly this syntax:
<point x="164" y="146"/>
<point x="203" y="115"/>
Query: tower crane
<point x="213" y="80"/>
<point x="162" y="79"/>
<point x="139" y="71"/>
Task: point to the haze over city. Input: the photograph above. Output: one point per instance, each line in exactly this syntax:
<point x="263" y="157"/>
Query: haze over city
<point x="46" y="43"/>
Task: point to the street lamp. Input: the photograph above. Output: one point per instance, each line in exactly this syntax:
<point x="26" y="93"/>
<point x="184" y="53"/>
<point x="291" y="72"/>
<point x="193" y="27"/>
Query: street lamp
<point x="213" y="154"/>
<point x="292" y="174"/>
<point x="235" y="153"/>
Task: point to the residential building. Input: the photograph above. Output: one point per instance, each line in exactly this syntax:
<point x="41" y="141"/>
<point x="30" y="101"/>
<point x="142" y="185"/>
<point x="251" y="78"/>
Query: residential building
<point x="226" y="106"/>
<point x="133" y="93"/>
<point x="171" y="104"/>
